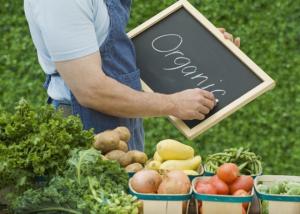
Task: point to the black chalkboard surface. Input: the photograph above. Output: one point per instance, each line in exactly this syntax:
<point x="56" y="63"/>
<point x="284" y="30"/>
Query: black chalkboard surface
<point x="180" y="52"/>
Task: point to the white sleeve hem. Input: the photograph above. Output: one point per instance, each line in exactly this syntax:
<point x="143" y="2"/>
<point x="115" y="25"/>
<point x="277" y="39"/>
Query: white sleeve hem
<point x="74" y="54"/>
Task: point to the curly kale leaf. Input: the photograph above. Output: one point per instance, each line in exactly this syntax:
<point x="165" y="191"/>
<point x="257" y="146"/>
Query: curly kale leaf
<point x="109" y="173"/>
<point x="61" y="194"/>
<point x="37" y="141"/>
<point x="100" y="201"/>
<point x="89" y="185"/>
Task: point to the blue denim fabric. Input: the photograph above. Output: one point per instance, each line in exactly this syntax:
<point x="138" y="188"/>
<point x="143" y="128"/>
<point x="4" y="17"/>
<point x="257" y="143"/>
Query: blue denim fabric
<point x="118" y="62"/>
<point x="55" y="103"/>
<point x="58" y="103"/>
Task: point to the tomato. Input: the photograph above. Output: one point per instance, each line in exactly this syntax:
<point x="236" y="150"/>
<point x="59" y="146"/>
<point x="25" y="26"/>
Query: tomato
<point x="242" y="192"/>
<point x="205" y="188"/>
<point x="204" y="180"/>
<point x="242" y="182"/>
<point x="228" y="172"/>
<point x="221" y="187"/>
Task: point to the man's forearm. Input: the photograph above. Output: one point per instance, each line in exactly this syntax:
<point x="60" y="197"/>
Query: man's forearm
<point x="114" y="98"/>
<point x="95" y="90"/>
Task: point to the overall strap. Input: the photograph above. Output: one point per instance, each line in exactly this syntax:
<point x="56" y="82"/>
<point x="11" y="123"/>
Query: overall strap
<point x="47" y="83"/>
<point x="118" y="62"/>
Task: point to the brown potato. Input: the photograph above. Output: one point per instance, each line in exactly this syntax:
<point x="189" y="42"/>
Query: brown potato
<point x="124" y="133"/>
<point x="134" y="167"/>
<point x="119" y="156"/>
<point x="115" y="155"/>
<point x="125" y="160"/>
<point x="123" y="146"/>
<point x="106" y="141"/>
<point x="138" y="156"/>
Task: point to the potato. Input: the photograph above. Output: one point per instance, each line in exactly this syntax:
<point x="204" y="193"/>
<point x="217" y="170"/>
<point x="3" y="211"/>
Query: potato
<point x="123" y="133"/>
<point x="125" y="160"/>
<point x="115" y="155"/>
<point x="138" y="156"/>
<point x="134" y="167"/>
<point x="123" y="146"/>
<point x="106" y="141"/>
<point x="120" y="156"/>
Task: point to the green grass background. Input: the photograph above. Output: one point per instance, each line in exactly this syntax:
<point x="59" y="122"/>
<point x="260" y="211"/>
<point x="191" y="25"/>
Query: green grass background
<point x="270" y="34"/>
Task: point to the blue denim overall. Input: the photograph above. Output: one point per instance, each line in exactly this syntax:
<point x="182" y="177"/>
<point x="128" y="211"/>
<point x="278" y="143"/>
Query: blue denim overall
<point x="118" y="62"/>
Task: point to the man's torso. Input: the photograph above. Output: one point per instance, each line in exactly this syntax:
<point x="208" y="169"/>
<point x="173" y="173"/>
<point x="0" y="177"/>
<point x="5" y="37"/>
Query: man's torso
<point x="56" y="13"/>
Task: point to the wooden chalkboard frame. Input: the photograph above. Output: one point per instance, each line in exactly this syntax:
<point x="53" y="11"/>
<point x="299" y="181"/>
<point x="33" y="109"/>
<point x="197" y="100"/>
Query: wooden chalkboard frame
<point x="267" y="82"/>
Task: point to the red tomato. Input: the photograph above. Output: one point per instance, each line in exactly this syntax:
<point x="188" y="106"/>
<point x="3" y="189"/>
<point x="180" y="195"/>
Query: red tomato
<point x="228" y="172"/>
<point x="205" y="188"/>
<point x="244" y="182"/>
<point x="221" y="187"/>
<point x="242" y="192"/>
<point x="204" y="180"/>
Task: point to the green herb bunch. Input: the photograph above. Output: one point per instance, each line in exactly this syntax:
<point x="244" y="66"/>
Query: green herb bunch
<point x="89" y="185"/>
<point x="37" y="142"/>
<point x="248" y="162"/>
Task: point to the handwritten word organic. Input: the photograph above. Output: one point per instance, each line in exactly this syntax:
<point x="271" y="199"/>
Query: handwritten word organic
<point x="184" y="63"/>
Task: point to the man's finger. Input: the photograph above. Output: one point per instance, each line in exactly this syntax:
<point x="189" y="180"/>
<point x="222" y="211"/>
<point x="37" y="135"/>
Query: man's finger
<point x="203" y="109"/>
<point x="228" y="36"/>
<point x="208" y="95"/>
<point x="222" y="30"/>
<point x="200" y="116"/>
<point x="237" y="42"/>
<point x="209" y="103"/>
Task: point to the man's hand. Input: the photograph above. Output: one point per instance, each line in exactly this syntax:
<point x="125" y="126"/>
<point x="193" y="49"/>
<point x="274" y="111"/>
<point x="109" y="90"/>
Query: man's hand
<point x="192" y="104"/>
<point x="236" y="41"/>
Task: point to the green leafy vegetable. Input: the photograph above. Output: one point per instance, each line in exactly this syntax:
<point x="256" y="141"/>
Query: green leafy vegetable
<point x="249" y="163"/>
<point x="37" y="142"/>
<point x="89" y="185"/>
<point x="293" y="188"/>
<point x="263" y="188"/>
<point x="265" y="207"/>
<point x="280" y="188"/>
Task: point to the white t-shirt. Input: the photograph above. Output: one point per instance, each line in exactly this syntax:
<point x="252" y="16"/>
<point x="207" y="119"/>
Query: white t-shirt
<point x="63" y="30"/>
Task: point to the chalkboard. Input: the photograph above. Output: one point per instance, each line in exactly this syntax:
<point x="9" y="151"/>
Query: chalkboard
<point x="180" y="49"/>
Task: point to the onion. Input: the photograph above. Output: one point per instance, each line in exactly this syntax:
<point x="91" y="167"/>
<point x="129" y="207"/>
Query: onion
<point x="180" y="175"/>
<point x="146" y="181"/>
<point x="175" y="182"/>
